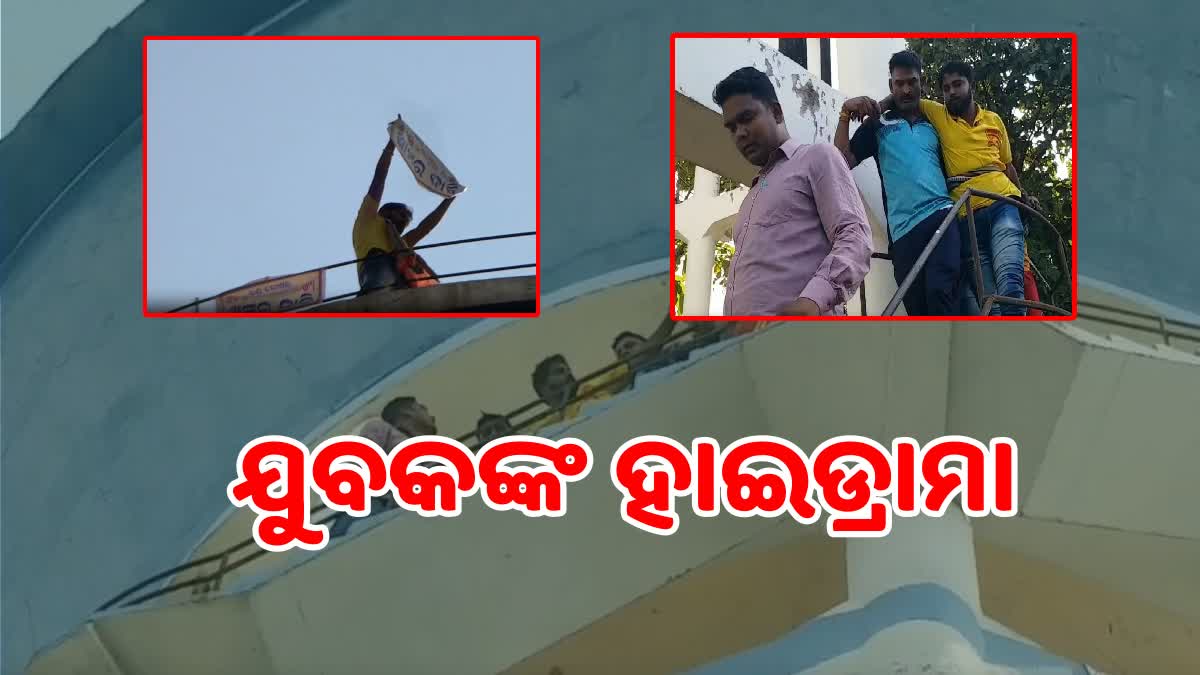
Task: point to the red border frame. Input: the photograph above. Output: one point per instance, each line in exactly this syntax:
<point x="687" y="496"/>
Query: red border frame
<point x="352" y="315"/>
<point x="1074" y="178"/>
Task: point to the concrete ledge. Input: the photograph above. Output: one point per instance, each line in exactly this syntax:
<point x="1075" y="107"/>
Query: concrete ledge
<point x="95" y="99"/>
<point x="507" y="295"/>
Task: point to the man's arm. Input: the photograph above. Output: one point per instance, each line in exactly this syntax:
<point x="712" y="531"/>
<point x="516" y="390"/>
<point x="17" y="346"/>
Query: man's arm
<point x="845" y="221"/>
<point x="863" y="145"/>
<point x="1011" y="172"/>
<point x="929" y="107"/>
<point x="381" y="171"/>
<point x="418" y="233"/>
<point x="1006" y="156"/>
<point x="661" y="333"/>
<point x="841" y="138"/>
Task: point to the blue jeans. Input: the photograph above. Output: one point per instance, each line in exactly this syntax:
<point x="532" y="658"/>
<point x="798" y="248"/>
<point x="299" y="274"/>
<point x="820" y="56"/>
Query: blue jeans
<point x="933" y="292"/>
<point x="1001" y="237"/>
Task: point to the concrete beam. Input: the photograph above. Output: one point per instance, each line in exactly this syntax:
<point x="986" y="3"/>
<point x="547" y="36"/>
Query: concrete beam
<point x="94" y="100"/>
<point x="511" y="294"/>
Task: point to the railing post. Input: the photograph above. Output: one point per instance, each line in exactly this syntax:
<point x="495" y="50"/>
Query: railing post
<point x="975" y="254"/>
<point x="1166" y="333"/>
<point x="219" y="575"/>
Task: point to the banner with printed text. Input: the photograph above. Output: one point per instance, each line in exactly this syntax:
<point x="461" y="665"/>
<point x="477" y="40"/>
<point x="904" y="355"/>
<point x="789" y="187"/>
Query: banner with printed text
<point x="275" y="294"/>
<point x="429" y="171"/>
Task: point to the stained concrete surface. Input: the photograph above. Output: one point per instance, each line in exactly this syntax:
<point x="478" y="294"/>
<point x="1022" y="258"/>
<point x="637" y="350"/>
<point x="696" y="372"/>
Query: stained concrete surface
<point x="119" y="431"/>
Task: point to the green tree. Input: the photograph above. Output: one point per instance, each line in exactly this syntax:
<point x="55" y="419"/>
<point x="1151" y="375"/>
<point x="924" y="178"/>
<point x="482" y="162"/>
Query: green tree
<point x="1028" y="83"/>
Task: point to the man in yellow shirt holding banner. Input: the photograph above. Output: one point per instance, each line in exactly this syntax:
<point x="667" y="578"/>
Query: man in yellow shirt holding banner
<point x="384" y="250"/>
<point x="976" y="154"/>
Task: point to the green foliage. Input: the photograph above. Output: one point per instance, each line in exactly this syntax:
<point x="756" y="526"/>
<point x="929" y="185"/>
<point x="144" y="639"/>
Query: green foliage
<point x="721" y="260"/>
<point x="1028" y="83"/>
<point x="686" y="182"/>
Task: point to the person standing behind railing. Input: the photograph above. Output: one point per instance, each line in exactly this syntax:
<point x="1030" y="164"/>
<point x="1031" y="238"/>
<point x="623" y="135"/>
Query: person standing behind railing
<point x="976" y="154"/>
<point x="401" y="419"/>
<point x="379" y="237"/>
<point x="556" y="386"/>
<point x="802" y="245"/>
<point x="905" y="147"/>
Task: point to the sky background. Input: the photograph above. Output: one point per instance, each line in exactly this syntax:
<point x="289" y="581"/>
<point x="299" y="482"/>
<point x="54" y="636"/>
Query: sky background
<point x="259" y="154"/>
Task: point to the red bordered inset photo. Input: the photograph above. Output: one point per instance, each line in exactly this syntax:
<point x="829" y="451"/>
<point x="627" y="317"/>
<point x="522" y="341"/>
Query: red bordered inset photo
<point x="341" y="176"/>
<point x="865" y="176"/>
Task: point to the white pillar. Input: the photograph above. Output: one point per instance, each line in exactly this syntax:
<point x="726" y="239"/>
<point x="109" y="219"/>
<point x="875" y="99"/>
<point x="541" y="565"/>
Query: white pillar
<point x="698" y="272"/>
<point x="706" y="183"/>
<point x="918" y="550"/>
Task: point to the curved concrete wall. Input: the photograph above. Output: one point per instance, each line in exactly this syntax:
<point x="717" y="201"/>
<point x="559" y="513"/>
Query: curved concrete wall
<point x="119" y="431"/>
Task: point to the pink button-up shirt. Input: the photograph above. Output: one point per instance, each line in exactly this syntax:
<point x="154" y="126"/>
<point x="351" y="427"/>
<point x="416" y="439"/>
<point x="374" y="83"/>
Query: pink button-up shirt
<point x="801" y="232"/>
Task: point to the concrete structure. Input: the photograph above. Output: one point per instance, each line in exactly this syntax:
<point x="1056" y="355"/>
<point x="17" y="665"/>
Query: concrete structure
<point x="858" y="68"/>
<point x="119" y="432"/>
<point x="1047" y="589"/>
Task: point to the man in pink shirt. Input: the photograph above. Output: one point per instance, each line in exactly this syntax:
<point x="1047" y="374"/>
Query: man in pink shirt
<point x="802" y="244"/>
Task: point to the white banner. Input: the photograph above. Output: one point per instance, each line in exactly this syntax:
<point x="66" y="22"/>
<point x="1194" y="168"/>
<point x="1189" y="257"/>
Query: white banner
<point x="429" y="171"/>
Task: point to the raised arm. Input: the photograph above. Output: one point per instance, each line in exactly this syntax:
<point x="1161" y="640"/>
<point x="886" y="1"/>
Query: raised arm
<point x="841" y="138"/>
<point x="381" y="172"/>
<point x="418" y="233"/>
<point x="862" y="145"/>
<point x="661" y="333"/>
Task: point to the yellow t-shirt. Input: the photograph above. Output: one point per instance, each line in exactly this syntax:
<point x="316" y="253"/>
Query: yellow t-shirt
<point x="370" y="230"/>
<point x="967" y="147"/>
<point x="593" y="390"/>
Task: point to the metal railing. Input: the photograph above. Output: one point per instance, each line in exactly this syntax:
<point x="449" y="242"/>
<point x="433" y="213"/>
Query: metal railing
<point x="1167" y="328"/>
<point x="225" y="559"/>
<point x="195" y="304"/>
<point x="1158" y="324"/>
<point x="985" y="301"/>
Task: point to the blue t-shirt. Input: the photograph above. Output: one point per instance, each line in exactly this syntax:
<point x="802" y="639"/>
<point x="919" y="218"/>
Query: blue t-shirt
<point x="910" y="168"/>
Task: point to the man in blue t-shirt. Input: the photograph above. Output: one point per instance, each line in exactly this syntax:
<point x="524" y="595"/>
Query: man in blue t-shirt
<point x="905" y="148"/>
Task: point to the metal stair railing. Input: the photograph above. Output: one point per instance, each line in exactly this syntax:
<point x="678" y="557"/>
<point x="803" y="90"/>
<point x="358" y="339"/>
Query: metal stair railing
<point x="985" y="302"/>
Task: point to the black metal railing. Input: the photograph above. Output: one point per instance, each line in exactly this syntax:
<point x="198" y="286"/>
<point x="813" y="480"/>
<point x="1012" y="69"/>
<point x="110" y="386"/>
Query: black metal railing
<point x="1168" y="329"/>
<point x="226" y="562"/>
<point x="985" y="301"/>
<point x="195" y="304"/>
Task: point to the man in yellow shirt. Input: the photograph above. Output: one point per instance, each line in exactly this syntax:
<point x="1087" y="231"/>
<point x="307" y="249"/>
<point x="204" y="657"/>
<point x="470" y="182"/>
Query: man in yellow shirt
<point x="976" y="154"/>
<point x="378" y="236"/>
<point x="557" y="387"/>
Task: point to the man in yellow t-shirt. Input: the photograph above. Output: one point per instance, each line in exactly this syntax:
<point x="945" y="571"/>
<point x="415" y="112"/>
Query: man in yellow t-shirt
<point x="556" y="386"/>
<point x="976" y="154"/>
<point x="378" y="236"/>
